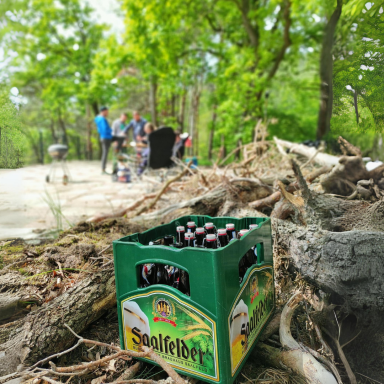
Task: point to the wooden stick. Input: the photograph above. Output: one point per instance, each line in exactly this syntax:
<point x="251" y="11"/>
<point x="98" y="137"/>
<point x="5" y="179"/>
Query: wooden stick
<point x="163" y="364"/>
<point x="165" y="186"/>
<point x="130" y="372"/>
<point x="268" y="201"/>
<point x="122" y="212"/>
<point x="140" y="381"/>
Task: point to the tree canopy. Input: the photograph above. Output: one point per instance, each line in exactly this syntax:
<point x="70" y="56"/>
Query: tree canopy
<point x="212" y="68"/>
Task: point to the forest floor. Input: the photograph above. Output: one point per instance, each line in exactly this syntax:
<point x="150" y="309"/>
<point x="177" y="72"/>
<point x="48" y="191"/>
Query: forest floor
<point x="25" y="212"/>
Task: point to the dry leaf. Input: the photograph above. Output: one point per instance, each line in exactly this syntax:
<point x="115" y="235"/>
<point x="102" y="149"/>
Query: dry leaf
<point x="97" y="355"/>
<point x="111" y="365"/>
<point x="99" y="380"/>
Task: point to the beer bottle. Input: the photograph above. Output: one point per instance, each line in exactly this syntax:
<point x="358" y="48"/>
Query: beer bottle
<point x="180" y="231"/>
<point x="189" y="240"/>
<point x="161" y="274"/>
<point x="242" y="233"/>
<point x="231" y="231"/>
<point x="177" y="245"/>
<point x="199" y="235"/>
<point x="147" y="275"/>
<point x="155" y="242"/>
<point x="210" y="241"/>
<point x="184" y="282"/>
<point x="210" y="228"/>
<point x="191" y="226"/>
<point x="176" y="278"/>
<point x="253" y="226"/>
<point x="168" y="240"/>
<point x="222" y="237"/>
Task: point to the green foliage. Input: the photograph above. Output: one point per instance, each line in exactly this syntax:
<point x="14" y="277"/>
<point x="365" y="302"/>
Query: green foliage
<point x="358" y="74"/>
<point x="196" y="57"/>
<point x="12" y="140"/>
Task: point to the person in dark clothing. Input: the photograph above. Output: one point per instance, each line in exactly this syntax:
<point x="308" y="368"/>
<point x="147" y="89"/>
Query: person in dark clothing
<point x="105" y="133"/>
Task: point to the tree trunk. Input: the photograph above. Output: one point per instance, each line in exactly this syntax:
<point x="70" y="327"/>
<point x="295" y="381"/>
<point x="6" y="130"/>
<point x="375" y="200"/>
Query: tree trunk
<point x="182" y="109"/>
<point x="63" y="127"/>
<point x="153" y="99"/>
<point x="53" y="132"/>
<point x="42" y="332"/>
<point x="356" y="106"/>
<point x="196" y="104"/>
<point x="326" y="74"/>
<point x="89" y="134"/>
<point x="212" y="133"/>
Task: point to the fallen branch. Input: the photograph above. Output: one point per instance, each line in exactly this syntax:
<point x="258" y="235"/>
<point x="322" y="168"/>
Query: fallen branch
<point x="304" y="150"/>
<point x="163" y="364"/>
<point x="122" y="212"/>
<point x="268" y="201"/>
<point x="163" y="189"/>
<point x="301" y="362"/>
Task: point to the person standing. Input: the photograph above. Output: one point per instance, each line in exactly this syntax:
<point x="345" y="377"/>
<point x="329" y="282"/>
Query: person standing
<point x="118" y="127"/>
<point x="105" y="133"/>
<point x="137" y="125"/>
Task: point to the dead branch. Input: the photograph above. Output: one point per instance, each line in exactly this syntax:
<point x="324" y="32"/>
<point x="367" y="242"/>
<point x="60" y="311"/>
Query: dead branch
<point x="268" y="201"/>
<point x="140" y="381"/>
<point x="163" y="364"/>
<point x="130" y="372"/>
<point x="301" y="181"/>
<point x="303" y="362"/>
<point x="163" y="189"/>
<point x="301" y="149"/>
<point x="336" y="340"/>
<point x="122" y="212"/>
<point x="347" y="147"/>
<point x="317" y="172"/>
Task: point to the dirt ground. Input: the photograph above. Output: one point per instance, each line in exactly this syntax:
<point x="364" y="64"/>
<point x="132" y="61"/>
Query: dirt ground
<point x="25" y="212"/>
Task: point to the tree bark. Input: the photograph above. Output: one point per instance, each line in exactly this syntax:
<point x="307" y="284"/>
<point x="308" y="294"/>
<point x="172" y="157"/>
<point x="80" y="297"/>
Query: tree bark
<point x="356" y="106"/>
<point x="182" y="109"/>
<point x="348" y="266"/>
<point x="89" y="133"/>
<point x="153" y="100"/>
<point x="212" y="133"/>
<point x="326" y="74"/>
<point x="42" y="332"/>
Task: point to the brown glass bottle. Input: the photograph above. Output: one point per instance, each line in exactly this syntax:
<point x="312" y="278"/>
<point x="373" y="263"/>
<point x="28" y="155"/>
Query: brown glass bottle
<point x="231" y="231"/>
<point x="180" y="232"/>
<point x="210" y="241"/>
<point x="189" y="240"/>
<point x="199" y="236"/>
<point x="222" y="237"/>
<point x="191" y="226"/>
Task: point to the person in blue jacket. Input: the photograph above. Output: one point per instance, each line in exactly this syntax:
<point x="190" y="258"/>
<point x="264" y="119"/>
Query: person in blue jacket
<point x="105" y="133"/>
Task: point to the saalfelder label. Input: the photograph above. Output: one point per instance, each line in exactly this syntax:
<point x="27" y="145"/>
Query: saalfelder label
<point x="181" y="334"/>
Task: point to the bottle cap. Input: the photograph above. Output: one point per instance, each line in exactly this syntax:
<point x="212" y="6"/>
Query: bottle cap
<point x="222" y="232"/>
<point x="189" y="235"/>
<point x="191" y="224"/>
<point x="211" y="237"/>
<point x="243" y="232"/>
<point x="200" y="231"/>
<point x="230" y="226"/>
<point x="209" y="225"/>
<point x="180" y="229"/>
<point x="253" y="226"/>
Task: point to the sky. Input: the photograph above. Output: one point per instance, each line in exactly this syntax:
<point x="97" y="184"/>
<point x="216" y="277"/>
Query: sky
<point x="108" y="12"/>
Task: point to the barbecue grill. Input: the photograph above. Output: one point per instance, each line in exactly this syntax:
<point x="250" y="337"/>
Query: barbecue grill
<point x="58" y="152"/>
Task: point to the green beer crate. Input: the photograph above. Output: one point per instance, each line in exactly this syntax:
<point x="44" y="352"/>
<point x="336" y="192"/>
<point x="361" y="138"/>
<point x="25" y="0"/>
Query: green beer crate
<point x="209" y="334"/>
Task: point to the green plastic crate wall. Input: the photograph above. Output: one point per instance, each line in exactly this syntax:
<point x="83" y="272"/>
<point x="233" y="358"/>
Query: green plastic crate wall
<point x="209" y="334"/>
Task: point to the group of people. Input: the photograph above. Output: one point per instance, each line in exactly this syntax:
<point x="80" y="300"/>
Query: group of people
<point x="118" y="135"/>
